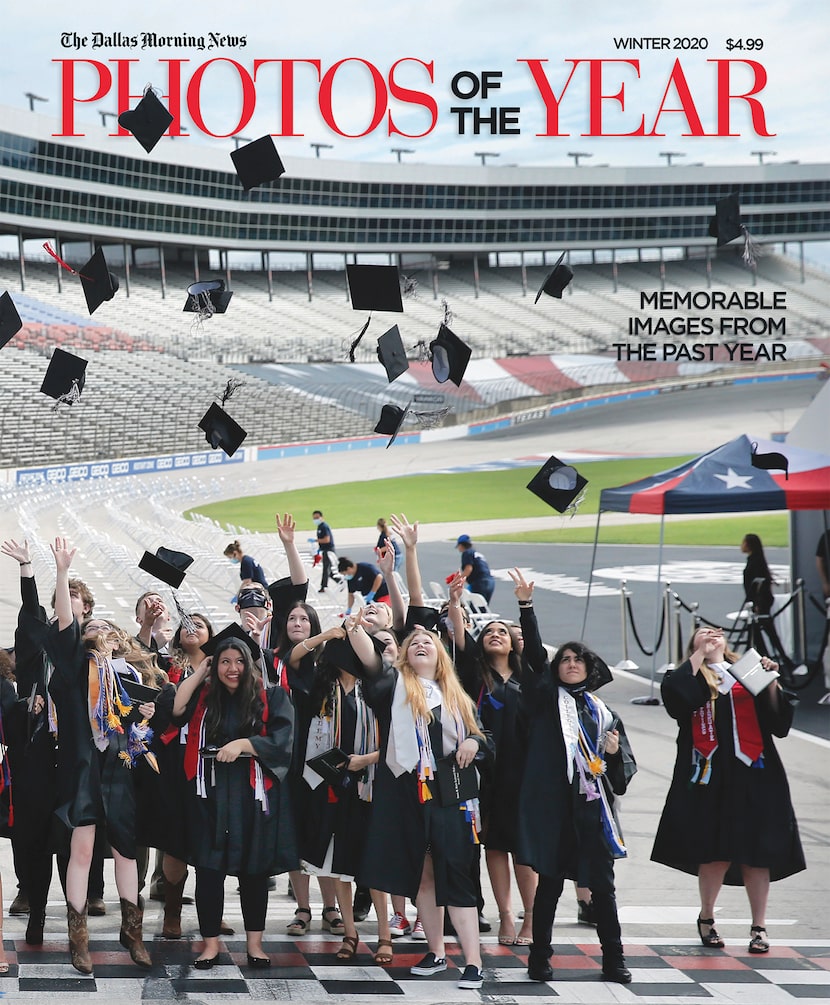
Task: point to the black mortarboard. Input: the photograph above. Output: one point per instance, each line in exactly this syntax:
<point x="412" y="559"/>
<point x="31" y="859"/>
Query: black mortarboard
<point x="339" y="653"/>
<point x="221" y="430"/>
<point x="390" y="421"/>
<point x="98" y="282"/>
<point x="772" y="461"/>
<point x="375" y="287"/>
<point x="65" y="376"/>
<point x="557" y="484"/>
<point x="450" y="356"/>
<point x="392" y="354"/>
<point x="207" y="297"/>
<point x="10" y="323"/>
<point x="421" y="617"/>
<point x="725" y="225"/>
<point x="257" y="163"/>
<point x="556" y="280"/>
<point x="283" y="595"/>
<point x="167" y="565"/>
<point x="233" y="631"/>
<point x="148" y="121"/>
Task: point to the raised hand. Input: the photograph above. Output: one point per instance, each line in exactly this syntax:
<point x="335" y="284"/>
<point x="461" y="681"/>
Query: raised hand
<point x="456" y="587"/>
<point x="63" y="554"/>
<point x="19" y="552"/>
<point x="522" y="589"/>
<point x="386" y="561"/>
<point x="286" y="527"/>
<point x="408" y="532"/>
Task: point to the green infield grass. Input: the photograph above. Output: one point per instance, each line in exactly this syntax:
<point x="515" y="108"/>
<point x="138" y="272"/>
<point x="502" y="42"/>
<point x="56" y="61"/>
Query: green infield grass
<point x="489" y="495"/>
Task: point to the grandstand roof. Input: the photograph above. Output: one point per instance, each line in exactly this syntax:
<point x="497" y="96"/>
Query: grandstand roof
<point x="188" y="195"/>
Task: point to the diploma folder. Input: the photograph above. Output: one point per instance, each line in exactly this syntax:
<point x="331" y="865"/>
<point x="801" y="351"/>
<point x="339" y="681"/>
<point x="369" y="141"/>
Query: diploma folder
<point x="455" y="785"/>
<point x="330" y="765"/>
<point x="751" y="674"/>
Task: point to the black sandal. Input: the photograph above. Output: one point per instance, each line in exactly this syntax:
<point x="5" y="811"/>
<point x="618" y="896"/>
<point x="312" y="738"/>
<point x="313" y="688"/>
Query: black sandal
<point x="299" y="926"/>
<point x="758" y="942"/>
<point x="711" y="939"/>
<point x="332" y="924"/>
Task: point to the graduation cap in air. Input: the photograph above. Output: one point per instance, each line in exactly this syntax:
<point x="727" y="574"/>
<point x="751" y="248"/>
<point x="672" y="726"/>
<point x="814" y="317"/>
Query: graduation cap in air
<point x="772" y="461"/>
<point x="390" y="421"/>
<point x="392" y="354"/>
<point x="233" y="631"/>
<point x="207" y="298"/>
<point x="556" y="280"/>
<point x="167" y="565"/>
<point x="98" y="283"/>
<point x="558" y="484"/>
<point x="65" y="377"/>
<point x="257" y="163"/>
<point x="10" y="323"/>
<point x="375" y="287"/>
<point x="726" y="225"/>
<point x="221" y="430"/>
<point x="449" y="356"/>
<point x="148" y="121"/>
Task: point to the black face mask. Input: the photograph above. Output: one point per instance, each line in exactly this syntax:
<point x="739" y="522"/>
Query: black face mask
<point x="575" y="689"/>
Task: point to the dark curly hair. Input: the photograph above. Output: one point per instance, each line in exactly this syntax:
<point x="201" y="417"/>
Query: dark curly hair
<point x="248" y="695"/>
<point x="597" y="668"/>
<point x="514" y="660"/>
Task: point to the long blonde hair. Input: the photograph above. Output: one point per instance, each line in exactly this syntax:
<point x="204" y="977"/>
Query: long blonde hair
<point x="706" y="671"/>
<point x="454" y="697"/>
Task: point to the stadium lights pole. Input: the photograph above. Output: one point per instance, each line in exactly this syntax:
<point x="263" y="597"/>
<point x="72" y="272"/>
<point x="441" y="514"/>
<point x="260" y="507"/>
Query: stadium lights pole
<point x="483" y="154"/>
<point x="401" y="150"/>
<point x="761" y="154"/>
<point x="32" y="99"/>
<point x="668" y="154"/>
<point x="320" y="146"/>
<point x="576" y="154"/>
<point x="239" y="139"/>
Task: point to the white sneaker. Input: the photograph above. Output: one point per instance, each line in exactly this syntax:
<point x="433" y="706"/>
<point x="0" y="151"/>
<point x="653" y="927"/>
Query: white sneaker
<point x="398" y="926"/>
<point x="418" y="932"/>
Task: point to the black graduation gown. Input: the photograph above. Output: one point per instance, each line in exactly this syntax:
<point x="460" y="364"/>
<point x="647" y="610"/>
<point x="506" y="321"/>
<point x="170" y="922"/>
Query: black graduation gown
<point x="94" y="787"/>
<point x="335" y="812"/>
<point x="559" y="830"/>
<point x="744" y="815"/>
<point x="155" y="800"/>
<point x="228" y="831"/>
<point x="499" y="714"/>
<point x="401" y="828"/>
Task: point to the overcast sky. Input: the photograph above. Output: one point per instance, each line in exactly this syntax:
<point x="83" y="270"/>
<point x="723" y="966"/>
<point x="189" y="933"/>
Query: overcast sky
<point x="457" y="36"/>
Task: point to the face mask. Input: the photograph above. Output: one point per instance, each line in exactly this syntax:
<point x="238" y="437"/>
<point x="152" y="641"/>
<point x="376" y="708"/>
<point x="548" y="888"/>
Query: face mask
<point x="317" y="521"/>
<point x="236" y="561"/>
<point x="348" y="575"/>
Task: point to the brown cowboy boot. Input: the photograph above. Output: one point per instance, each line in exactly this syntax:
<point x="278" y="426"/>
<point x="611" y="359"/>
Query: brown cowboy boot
<point x="78" y="940"/>
<point x="132" y="919"/>
<point x="172" y="928"/>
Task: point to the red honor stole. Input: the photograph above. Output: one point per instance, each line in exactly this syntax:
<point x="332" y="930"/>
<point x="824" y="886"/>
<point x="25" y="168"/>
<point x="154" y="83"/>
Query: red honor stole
<point x="749" y="743"/>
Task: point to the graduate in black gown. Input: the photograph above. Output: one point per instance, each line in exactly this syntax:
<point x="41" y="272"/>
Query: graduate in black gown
<point x="578" y="760"/>
<point x="728" y="816"/>
<point x="237" y="811"/>
<point x="97" y="749"/>
<point x="416" y="846"/>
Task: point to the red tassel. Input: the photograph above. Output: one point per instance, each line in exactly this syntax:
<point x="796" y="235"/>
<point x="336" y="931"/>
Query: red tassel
<point x="332" y="796"/>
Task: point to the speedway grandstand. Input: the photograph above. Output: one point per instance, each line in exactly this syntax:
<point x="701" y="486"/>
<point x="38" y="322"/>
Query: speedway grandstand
<point x="473" y="243"/>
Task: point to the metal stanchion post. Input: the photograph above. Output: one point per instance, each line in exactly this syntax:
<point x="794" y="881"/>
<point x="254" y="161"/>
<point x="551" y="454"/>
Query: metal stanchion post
<point x="669" y="664"/>
<point x="678" y="631"/>
<point x="693" y="613"/>
<point x="625" y="663"/>
<point x="651" y="698"/>
<point x="802" y="669"/>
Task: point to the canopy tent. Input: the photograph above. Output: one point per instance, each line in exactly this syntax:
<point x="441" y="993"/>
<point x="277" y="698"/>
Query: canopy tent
<point x="723" y="480"/>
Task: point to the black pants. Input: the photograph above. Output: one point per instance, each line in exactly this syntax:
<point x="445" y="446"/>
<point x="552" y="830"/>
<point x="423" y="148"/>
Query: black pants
<point x="327" y="569"/>
<point x="210" y="901"/>
<point x="604" y="900"/>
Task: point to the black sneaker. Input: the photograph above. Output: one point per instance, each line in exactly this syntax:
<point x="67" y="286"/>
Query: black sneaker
<point x="429" y="965"/>
<point x="471" y="978"/>
<point x="483" y="924"/>
<point x="362" y="904"/>
<point x="616" y="971"/>
<point x="585" y="913"/>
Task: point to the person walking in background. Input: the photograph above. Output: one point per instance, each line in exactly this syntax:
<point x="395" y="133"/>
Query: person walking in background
<point x="758" y="580"/>
<point x="250" y="571"/>
<point x="325" y="542"/>
<point x="475" y="569"/>
<point x="728" y="817"/>
<point x="363" y="578"/>
<point x="386" y="538"/>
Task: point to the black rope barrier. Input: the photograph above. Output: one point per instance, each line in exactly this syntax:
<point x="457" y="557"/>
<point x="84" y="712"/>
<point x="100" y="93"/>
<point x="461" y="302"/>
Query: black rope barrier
<point x="636" y="634"/>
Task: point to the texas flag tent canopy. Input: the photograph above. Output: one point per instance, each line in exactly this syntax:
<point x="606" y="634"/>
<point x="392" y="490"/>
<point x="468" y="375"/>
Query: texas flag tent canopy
<point x="725" y="481"/>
